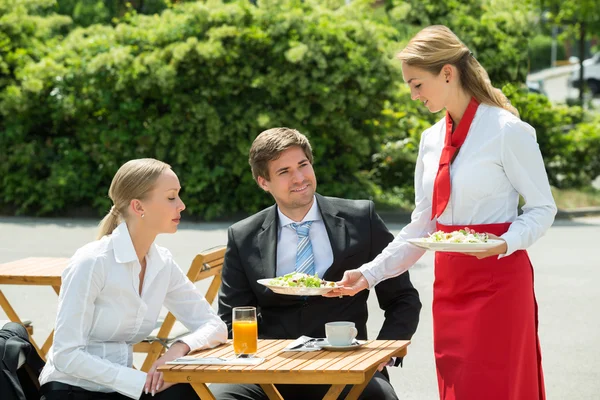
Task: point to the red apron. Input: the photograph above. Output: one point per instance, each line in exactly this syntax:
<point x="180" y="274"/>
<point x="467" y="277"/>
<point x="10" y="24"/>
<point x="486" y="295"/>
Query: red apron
<point x="485" y="325"/>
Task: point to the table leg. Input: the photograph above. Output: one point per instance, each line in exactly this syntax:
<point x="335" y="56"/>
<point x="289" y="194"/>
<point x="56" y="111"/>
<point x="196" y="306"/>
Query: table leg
<point x="271" y="391"/>
<point x="203" y="391"/>
<point x="333" y="392"/>
<point x="12" y="315"/>
<point x="10" y="312"/>
<point x="48" y="343"/>
<point x="358" y="389"/>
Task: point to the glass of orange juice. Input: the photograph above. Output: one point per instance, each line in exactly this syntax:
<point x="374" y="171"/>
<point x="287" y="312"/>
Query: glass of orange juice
<point x="245" y="331"/>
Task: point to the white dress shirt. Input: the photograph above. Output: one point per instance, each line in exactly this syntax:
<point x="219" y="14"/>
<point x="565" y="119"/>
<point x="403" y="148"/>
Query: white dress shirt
<point x="287" y="242"/>
<point x="101" y="314"/>
<point x="499" y="160"/>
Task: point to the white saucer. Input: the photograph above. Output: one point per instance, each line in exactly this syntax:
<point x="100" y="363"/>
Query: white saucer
<point x="357" y="343"/>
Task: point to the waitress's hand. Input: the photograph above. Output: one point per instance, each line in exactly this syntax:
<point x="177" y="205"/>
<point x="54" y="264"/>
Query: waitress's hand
<point x="154" y="379"/>
<point x="352" y="283"/>
<point x="502" y="248"/>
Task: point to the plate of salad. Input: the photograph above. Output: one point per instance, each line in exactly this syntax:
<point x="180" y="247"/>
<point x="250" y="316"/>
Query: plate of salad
<point x="461" y="241"/>
<point x="298" y="284"/>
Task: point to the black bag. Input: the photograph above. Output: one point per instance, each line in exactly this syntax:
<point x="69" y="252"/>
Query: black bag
<point x="18" y="383"/>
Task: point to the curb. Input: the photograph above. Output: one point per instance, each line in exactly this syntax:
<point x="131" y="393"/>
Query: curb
<point x="577" y="212"/>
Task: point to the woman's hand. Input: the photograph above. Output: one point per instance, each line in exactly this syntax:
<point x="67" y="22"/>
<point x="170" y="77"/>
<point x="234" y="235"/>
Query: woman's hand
<point x="502" y="248"/>
<point x="154" y="379"/>
<point x="352" y="283"/>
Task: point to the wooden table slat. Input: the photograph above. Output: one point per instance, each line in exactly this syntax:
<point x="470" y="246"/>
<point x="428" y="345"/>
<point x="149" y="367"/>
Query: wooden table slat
<point x="304" y="358"/>
<point x="358" y="355"/>
<point x="265" y="351"/>
<point x="219" y="351"/>
<point x="325" y="359"/>
<point x="391" y="348"/>
<point x="33" y="271"/>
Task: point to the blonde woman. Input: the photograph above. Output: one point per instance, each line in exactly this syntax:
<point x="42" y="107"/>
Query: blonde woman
<point x="471" y="168"/>
<point x="113" y="290"/>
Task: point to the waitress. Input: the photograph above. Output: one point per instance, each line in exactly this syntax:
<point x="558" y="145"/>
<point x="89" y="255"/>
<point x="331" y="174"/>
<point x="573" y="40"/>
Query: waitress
<point x="472" y="166"/>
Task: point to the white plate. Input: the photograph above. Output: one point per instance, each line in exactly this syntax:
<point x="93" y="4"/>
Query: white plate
<point x="295" y="291"/>
<point x="455" y="247"/>
<point x="357" y="343"/>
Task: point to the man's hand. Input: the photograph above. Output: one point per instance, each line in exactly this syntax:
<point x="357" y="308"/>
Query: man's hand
<point x="502" y="248"/>
<point x="384" y="364"/>
<point x="154" y="379"/>
<point x="352" y="283"/>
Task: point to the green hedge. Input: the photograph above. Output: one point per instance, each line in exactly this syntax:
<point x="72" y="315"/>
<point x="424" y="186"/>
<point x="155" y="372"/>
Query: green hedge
<point x="193" y="87"/>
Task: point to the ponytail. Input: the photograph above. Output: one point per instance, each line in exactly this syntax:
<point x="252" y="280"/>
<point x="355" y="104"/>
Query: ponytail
<point x="475" y="80"/>
<point x="108" y="223"/>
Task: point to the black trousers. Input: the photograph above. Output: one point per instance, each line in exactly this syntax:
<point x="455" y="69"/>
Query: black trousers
<point x="60" y="391"/>
<point x="379" y="388"/>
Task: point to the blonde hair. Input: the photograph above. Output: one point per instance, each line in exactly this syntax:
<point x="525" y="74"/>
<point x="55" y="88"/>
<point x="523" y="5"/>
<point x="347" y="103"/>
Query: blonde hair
<point x="436" y="46"/>
<point x="134" y="180"/>
<point x="269" y="145"/>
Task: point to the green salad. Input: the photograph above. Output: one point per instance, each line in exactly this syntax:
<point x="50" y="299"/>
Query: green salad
<point x="461" y="236"/>
<point x="296" y="279"/>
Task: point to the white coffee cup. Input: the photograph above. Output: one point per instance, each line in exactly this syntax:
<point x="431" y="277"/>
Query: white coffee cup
<point x="340" y="333"/>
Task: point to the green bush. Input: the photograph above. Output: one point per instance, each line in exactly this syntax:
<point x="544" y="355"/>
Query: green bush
<point x="88" y="12"/>
<point x="27" y="29"/>
<point x="540" y="52"/>
<point x="193" y="87"/>
<point x="496" y="31"/>
<point x="561" y="132"/>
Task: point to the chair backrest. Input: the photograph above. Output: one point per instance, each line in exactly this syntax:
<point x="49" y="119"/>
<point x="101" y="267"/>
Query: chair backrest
<point x="206" y="264"/>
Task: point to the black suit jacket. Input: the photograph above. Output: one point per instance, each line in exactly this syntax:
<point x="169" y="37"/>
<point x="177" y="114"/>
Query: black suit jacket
<point x="357" y="236"/>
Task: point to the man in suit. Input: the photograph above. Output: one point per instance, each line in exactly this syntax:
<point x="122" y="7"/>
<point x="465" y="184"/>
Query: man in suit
<point x="343" y="234"/>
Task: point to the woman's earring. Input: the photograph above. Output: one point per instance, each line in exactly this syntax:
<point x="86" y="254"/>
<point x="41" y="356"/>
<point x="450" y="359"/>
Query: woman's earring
<point x="447" y="81"/>
<point x="142" y="215"/>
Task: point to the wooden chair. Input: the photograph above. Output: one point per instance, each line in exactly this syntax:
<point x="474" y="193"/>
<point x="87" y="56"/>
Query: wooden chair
<point x="206" y="264"/>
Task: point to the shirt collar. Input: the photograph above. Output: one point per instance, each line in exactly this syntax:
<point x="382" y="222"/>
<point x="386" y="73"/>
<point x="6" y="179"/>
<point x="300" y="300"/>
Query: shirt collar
<point x="124" y="250"/>
<point x="313" y="214"/>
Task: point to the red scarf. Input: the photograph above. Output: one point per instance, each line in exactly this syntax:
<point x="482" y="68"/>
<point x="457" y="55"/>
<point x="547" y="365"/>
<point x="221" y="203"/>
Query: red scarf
<point x="452" y="143"/>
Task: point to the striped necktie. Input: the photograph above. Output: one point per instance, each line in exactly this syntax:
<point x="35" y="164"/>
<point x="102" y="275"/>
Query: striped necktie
<point x="305" y="259"/>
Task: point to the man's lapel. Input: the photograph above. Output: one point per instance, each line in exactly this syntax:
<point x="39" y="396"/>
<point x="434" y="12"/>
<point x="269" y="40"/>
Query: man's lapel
<point x="336" y="230"/>
<point x="267" y="242"/>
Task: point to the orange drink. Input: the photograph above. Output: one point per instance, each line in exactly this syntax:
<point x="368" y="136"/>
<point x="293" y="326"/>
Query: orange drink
<point x="245" y="337"/>
<point x="245" y="330"/>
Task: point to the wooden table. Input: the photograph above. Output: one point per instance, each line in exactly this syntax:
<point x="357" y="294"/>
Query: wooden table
<point x="335" y="368"/>
<point x="40" y="271"/>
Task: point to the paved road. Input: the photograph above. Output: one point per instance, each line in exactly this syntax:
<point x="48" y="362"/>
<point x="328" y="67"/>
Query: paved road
<point x="567" y="275"/>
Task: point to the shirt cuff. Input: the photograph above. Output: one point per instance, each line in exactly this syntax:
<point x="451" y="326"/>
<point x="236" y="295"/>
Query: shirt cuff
<point x="130" y="382"/>
<point x="513" y="243"/>
<point x="366" y="272"/>
<point x="193" y="341"/>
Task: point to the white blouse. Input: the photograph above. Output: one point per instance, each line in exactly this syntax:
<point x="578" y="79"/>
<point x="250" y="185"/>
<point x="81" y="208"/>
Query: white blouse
<point x="499" y="160"/>
<point x="101" y="314"/>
